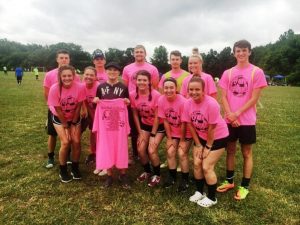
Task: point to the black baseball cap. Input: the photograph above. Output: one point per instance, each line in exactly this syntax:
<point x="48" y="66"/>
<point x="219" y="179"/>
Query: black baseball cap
<point x="98" y="54"/>
<point x="114" y="65"/>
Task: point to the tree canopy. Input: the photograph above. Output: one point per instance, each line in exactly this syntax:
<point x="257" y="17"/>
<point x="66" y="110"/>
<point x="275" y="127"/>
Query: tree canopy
<point x="281" y="57"/>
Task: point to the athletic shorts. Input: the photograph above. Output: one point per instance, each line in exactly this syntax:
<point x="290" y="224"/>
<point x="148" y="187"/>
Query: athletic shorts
<point x="245" y="133"/>
<point x="148" y="128"/>
<point x="218" y="143"/>
<point x="86" y="122"/>
<point x="56" y="121"/>
<point x="186" y="139"/>
<point x="50" y="128"/>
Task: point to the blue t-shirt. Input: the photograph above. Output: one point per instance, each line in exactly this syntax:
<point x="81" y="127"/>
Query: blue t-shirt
<point x="19" y="72"/>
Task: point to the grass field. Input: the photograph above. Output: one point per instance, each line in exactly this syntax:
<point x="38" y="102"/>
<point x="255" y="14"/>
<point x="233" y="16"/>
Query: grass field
<point x="31" y="194"/>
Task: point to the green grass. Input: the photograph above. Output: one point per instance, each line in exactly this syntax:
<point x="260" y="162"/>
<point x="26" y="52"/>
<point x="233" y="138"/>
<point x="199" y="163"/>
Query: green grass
<point x="31" y="194"/>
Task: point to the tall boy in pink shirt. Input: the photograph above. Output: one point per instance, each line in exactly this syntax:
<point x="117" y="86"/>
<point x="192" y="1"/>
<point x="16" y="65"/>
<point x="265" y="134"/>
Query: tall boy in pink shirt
<point x="241" y="88"/>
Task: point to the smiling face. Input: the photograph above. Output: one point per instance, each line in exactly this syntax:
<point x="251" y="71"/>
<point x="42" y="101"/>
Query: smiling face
<point x="195" y="65"/>
<point x="170" y="90"/>
<point x="99" y="62"/>
<point x="139" y="55"/>
<point x="142" y="82"/>
<point x="175" y="61"/>
<point x="67" y="77"/>
<point x="113" y="74"/>
<point x="196" y="91"/>
<point x="89" y="77"/>
<point x="63" y="59"/>
<point x="242" y="55"/>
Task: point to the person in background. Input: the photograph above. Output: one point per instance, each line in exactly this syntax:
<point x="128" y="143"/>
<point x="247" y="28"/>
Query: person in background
<point x="5" y="70"/>
<point x="36" y="73"/>
<point x="19" y="75"/>
<point x="99" y="61"/>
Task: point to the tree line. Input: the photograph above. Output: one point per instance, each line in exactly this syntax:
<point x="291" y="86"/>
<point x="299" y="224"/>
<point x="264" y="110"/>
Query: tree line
<point x="281" y="57"/>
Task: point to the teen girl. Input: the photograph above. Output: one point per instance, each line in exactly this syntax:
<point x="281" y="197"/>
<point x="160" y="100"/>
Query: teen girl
<point x="209" y="131"/>
<point x="150" y="131"/>
<point x="65" y="100"/>
<point x="91" y="84"/>
<point x="170" y="109"/>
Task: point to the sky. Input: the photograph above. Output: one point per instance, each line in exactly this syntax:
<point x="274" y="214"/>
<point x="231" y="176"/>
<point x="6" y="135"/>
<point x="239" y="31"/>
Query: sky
<point x="175" y="24"/>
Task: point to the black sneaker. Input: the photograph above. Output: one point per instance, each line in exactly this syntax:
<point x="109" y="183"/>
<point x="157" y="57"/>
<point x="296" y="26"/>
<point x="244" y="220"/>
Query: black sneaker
<point x="90" y="159"/>
<point x="64" y="175"/>
<point x="75" y="171"/>
<point x="108" y="182"/>
<point x="123" y="178"/>
<point x="169" y="182"/>
<point x="183" y="185"/>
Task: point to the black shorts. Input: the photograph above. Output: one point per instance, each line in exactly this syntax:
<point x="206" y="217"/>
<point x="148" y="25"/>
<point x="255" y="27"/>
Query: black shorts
<point x="56" y="121"/>
<point x="86" y="122"/>
<point x="186" y="139"/>
<point x="50" y="128"/>
<point x="218" y="143"/>
<point x="148" y="128"/>
<point x="245" y="133"/>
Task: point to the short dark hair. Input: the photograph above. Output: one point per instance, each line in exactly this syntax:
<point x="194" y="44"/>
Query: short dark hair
<point x="242" y="44"/>
<point x="62" y="51"/>
<point x="198" y="80"/>
<point x="176" y="53"/>
<point x="171" y="79"/>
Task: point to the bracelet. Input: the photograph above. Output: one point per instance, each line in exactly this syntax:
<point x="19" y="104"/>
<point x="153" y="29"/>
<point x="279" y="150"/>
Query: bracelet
<point x="199" y="145"/>
<point x="152" y="135"/>
<point x="206" y="146"/>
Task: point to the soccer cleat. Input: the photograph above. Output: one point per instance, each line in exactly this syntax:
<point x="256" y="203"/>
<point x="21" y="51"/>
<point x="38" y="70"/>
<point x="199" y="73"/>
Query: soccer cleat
<point x="183" y="185"/>
<point x="225" y="186"/>
<point x="169" y="182"/>
<point x="108" y="182"/>
<point x="76" y="174"/>
<point x="123" y="178"/>
<point x="90" y="159"/>
<point x="197" y="197"/>
<point x="144" y="177"/>
<point x="241" y="193"/>
<point x="154" y="181"/>
<point x="50" y="163"/>
<point x="65" y="177"/>
<point x="206" y="202"/>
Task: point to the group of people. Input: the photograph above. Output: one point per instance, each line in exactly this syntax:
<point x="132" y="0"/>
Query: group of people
<point x="181" y="106"/>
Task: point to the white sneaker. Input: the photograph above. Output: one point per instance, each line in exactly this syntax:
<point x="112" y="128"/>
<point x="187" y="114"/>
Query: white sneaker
<point x="206" y="202"/>
<point x="102" y="173"/>
<point x="164" y="165"/>
<point x="197" y="197"/>
<point x="96" y="172"/>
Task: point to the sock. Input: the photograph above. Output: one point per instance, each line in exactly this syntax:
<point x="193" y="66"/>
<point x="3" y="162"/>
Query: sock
<point x="173" y="173"/>
<point x="230" y="176"/>
<point x="156" y="170"/>
<point x="200" y="184"/>
<point x="185" y="176"/>
<point x="75" y="165"/>
<point x="51" y="155"/>
<point x="212" y="191"/>
<point x="147" y="168"/>
<point x="245" y="182"/>
<point x="63" y="168"/>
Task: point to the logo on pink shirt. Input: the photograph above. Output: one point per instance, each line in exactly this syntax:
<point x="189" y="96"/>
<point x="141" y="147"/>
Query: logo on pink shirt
<point x="172" y="117"/>
<point x="199" y="121"/>
<point x="68" y="104"/>
<point x="146" y="111"/>
<point x="239" y="86"/>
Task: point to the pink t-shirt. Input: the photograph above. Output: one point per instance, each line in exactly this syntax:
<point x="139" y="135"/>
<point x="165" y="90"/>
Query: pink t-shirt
<point x="210" y="87"/>
<point x="176" y="76"/>
<point x="129" y="74"/>
<point x="146" y="109"/>
<point x="68" y="99"/>
<point x="172" y="112"/>
<point x="102" y="77"/>
<point x="200" y="115"/>
<point x="90" y="93"/>
<point x="51" y="78"/>
<point x="239" y="87"/>
<point x="112" y="127"/>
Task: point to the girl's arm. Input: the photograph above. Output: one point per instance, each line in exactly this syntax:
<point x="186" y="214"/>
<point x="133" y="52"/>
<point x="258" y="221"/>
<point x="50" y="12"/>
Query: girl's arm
<point x="77" y="113"/>
<point x="155" y="123"/>
<point x="198" y="147"/>
<point x="61" y="117"/>
<point x="84" y="109"/>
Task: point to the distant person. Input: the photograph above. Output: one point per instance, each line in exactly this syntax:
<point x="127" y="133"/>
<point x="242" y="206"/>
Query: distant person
<point x="195" y="51"/>
<point x="112" y="141"/>
<point x="99" y="62"/>
<point x="241" y="87"/>
<point x="209" y="131"/>
<point x="36" y="72"/>
<point x="129" y="79"/>
<point x="64" y="100"/>
<point x="19" y="75"/>
<point x="5" y="70"/>
<point x="51" y="78"/>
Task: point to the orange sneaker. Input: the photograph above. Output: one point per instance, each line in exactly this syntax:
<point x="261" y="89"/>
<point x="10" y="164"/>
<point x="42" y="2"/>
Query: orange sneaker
<point x="225" y="186"/>
<point x="241" y="193"/>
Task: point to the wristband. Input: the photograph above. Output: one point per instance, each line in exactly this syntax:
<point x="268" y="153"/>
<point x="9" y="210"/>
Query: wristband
<point x="152" y="135"/>
<point x="206" y="146"/>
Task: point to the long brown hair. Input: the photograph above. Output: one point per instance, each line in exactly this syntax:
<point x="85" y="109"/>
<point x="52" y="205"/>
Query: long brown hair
<point x="148" y="75"/>
<point x="60" y="70"/>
